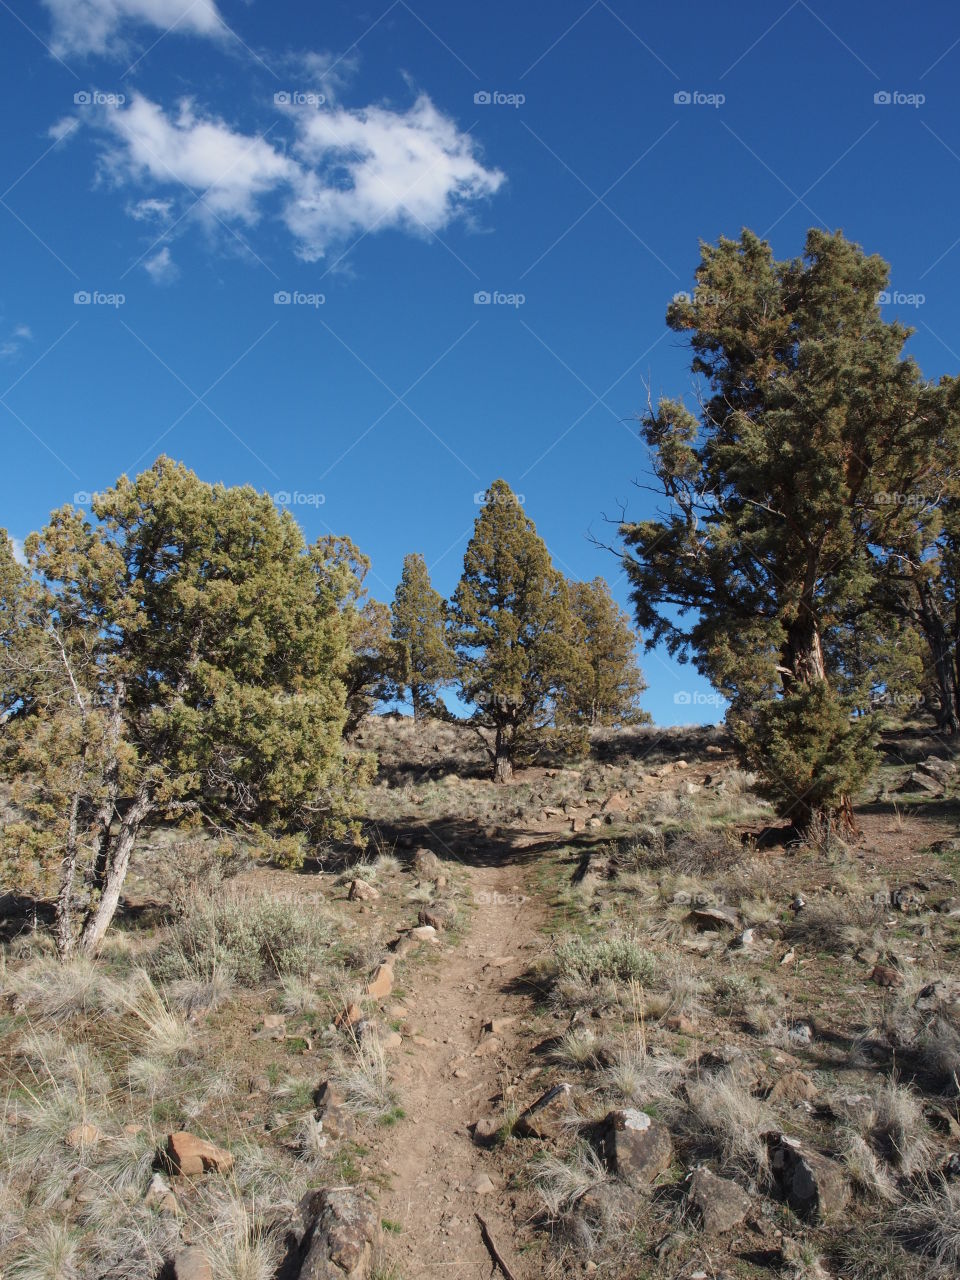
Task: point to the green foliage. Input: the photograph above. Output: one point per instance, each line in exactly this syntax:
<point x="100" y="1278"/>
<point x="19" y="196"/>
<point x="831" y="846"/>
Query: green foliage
<point x="246" y="936"/>
<point x="191" y="654"/>
<point x="592" y="959"/>
<point x="372" y="672"/>
<point x="605" y="683"/>
<point x="808" y="752"/>
<point x="511" y="628"/>
<point x="425" y="660"/>
<point x="770" y="551"/>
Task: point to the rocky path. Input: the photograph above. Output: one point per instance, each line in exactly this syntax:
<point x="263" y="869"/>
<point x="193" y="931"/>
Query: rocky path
<point x="450" y="1073"/>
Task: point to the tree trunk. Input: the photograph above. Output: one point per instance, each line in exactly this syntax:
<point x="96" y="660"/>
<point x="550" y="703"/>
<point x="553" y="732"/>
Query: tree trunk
<point x="120" y="848"/>
<point x="63" y="931"/>
<point x="943" y="657"/>
<point x="803" y="652"/>
<point x="502" y="757"/>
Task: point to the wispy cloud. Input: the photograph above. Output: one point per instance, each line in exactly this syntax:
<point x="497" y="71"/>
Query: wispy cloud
<point x="161" y="267"/>
<point x="101" y="26"/>
<point x="347" y="171"/>
<point x="13" y="342"/>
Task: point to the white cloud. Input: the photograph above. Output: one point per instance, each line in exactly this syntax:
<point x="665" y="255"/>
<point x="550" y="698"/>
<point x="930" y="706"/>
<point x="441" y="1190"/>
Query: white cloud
<point x="372" y="169"/>
<point x="97" y="26"/>
<point x="349" y="171"/>
<point x="12" y="344"/>
<point x="161" y="267"/>
<point x="231" y="169"/>
<point x="63" y="127"/>
<point x="18" y="552"/>
<point x="23" y="331"/>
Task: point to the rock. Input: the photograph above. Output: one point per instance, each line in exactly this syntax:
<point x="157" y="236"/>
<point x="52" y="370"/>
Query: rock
<point x="638" y="1148"/>
<point x="792" y="1086"/>
<point x="381" y="983"/>
<point x="331" y="1112"/>
<point x="343" y="1231"/>
<point x="712" y="919"/>
<point x="437" y="914"/>
<point x="391" y="1041"/>
<point x="884" y="976"/>
<point x="854" y="1109"/>
<point x="424" y="933"/>
<point x="273" y="1027"/>
<point x="937" y="768"/>
<point x="488" y="1046"/>
<point x="189" y="1155"/>
<point x="349" y="1017"/>
<point x="486" y="1130"/>
<point x="680" y="1023"/>
<point x="545" y="1118"/>
<point x="618" y="802"/>
<point x="426" y="864"/>
<point x="719" y="1203"/>
<point x="933" y="786"/>
<point x="360" y="891"/>
<point x="482" y="1185"/>
<point x="813" y="1185"/>
<point x="943" y="1120"/>
<point x="192" y="1264"/>
<point x="498" y="1025"/>
<point x="160" y="1196"/>
<point x="83" y="1135"/>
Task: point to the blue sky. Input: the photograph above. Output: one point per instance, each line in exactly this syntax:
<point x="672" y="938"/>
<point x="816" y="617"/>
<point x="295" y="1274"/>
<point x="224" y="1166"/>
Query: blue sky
<point x="384" y="165"/>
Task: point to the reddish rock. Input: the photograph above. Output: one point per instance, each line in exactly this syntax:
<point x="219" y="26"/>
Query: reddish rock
<point x="546" y="1117"/>
<point x="381" y="983"/>
<point x="360" y="891"/>
<point x="814" y="1186"/>
<point x="189" y="1155"/>
<point x="718" y="1203"/>
<point x="638" y="1147"/>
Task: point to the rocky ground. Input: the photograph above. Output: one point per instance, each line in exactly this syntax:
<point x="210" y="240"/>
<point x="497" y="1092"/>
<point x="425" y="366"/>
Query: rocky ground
<point x="603" y="1020"/>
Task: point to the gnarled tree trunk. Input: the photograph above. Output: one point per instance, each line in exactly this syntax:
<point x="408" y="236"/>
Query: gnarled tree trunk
<point x="118" y="849"/>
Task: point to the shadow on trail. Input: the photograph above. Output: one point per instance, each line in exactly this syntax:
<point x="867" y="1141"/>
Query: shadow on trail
<point x="472" y="843"/>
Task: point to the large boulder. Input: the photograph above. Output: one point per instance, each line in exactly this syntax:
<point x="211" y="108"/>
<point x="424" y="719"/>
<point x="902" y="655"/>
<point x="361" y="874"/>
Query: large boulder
<point x="718" y="1204"/>
<point x="638" y="1148"/>
<point x="343" y="1229"/>
<point x="814" y="1186"/>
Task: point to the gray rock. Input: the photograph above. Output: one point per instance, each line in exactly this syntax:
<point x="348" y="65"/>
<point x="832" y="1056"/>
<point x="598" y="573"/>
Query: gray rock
<point x="332" y="1113"/>
<point x="718" y="1203"/>
<point x="192" y="1264"/>
<point x="814" y="1186"/>
<point x="638" y="1147"/>
<point x="712" y="919"/>
<point x="546" y="1117"/>
<point x="344" y="1228"/>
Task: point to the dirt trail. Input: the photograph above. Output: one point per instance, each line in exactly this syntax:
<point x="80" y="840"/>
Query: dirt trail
<point x="430" y="1159"/>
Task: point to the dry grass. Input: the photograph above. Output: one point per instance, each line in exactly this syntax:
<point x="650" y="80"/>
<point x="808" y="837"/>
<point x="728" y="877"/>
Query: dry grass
<point x="931" y="1224"/>
<point x="722" y="1114"/>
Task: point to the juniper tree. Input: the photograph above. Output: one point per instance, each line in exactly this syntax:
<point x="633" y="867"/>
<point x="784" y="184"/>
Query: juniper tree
<point x="810" y="410"/>
<point x="605" y="682"/>
<point x="425" y="660"/>
<point x="511" y="629"/>
<point x="192" y="651"/>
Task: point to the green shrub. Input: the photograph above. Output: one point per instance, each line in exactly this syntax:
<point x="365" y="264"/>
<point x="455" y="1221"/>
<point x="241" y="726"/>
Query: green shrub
<point x="594" y="959"/>
<point x="245" y="935"/>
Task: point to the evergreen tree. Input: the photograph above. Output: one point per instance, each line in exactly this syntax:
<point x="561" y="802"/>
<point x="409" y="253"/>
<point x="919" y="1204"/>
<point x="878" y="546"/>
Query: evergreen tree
<point x="425" y="660"/>
<point x="374" y="664"/>
<point x="604" y="686"/>
<point x="812" y="410"/>
<point x="511" y="629"/>
<point x="191" y="652"/>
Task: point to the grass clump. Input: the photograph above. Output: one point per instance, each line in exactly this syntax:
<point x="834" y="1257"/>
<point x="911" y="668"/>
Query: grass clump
<point x="592" y="960"/>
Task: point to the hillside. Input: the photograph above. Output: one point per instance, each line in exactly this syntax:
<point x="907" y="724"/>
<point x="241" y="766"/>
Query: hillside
<point x="748" y="1050"/>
